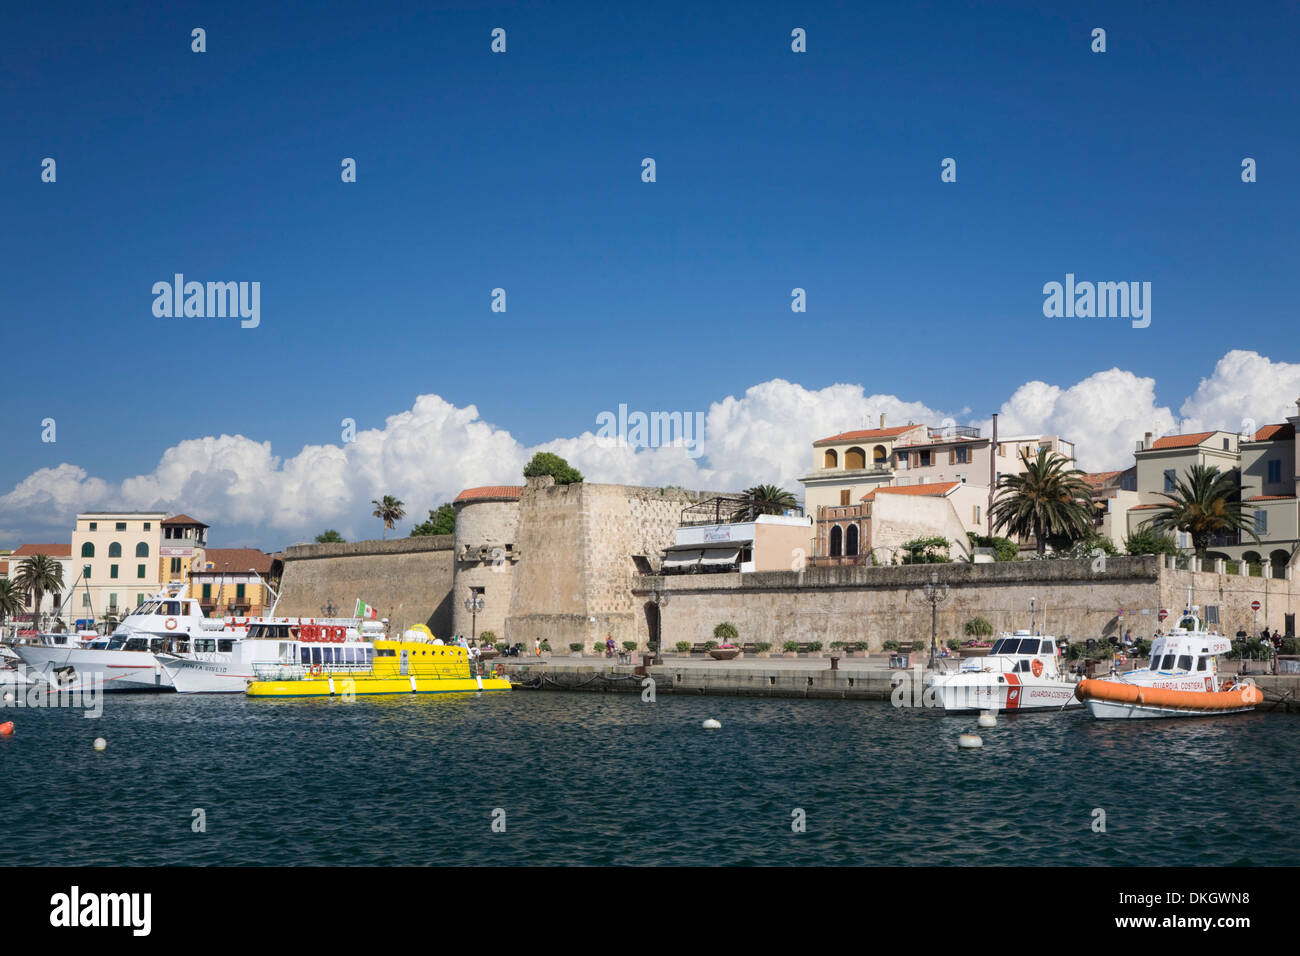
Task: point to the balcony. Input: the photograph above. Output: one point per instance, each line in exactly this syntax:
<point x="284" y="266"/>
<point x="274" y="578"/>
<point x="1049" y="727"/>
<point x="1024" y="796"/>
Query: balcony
<point x="842" y="561"/>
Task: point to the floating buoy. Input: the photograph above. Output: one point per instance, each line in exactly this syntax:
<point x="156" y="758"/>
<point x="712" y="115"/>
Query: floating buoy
<point x="711" y="724"/>
<point x="988" y="719"/>
<point x="969" y="741"/>
<point x="7" y="728"/>
<point x="100" y="743"/>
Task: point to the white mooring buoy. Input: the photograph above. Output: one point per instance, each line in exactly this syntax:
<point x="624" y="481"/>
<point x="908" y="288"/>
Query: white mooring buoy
<point x="988" y="719"/>
<point x="100" y="743"/>
<point x="712" y="724"/>
<point x="969" y="741"/>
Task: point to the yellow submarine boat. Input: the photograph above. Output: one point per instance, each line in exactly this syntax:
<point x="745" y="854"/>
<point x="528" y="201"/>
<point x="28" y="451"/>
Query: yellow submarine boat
<point x="389" y="667"/>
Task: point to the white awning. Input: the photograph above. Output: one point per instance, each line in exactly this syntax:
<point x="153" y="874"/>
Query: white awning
<point x="681" y="559"/>
<point x="719" y="557"/>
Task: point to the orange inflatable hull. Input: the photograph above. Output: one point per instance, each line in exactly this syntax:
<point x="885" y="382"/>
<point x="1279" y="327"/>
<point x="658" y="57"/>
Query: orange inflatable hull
<point x="1246" y="695"/>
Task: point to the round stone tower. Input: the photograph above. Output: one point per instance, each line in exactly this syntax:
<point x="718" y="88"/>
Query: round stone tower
<point x="486" y="522"/>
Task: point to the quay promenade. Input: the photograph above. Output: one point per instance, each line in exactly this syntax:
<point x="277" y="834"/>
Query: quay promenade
<point x="853" y="679"/>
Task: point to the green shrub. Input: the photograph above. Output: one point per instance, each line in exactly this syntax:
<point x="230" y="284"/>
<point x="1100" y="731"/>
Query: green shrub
<point x="575" y="647"/>
<point x="920" y="645"/>
<point x="953" y="644"/>
<point x="548" y="463"/>
<point x="683" y="647"/>
<point x="814" y="645"/>
<point x="837" y="645"/>
<point x="598" y="647"/>
<point x="629" y="645"/>
<point x="890" y="645"/>
<point x="977" y="627"/>
<point x="710" y="645"/>
<point x="546" y="646"/>
<point x="762" y="646"/>
<point x="861" y="646"/>
<point x="726" y="632"/>
<point x="1149" y="541"/>
<point x="488" y="637"/>
<point x="790" y="646"/>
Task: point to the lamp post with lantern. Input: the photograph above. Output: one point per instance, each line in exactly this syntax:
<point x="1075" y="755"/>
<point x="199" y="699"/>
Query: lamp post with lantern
<point x="936" y="594"/>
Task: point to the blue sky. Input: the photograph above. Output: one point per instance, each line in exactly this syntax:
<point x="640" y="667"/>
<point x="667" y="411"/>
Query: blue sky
<point x="522" y="171"/>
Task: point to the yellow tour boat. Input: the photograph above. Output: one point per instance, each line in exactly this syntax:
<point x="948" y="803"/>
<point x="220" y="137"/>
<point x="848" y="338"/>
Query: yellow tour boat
<point x="405" y="666"/>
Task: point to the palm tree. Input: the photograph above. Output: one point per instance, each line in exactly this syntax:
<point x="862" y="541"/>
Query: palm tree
<point x="11" y="599"/>
<point x="1046" y="499"/>
<point x="36" y="575"/>
<point x="1206" y="503"/>
<point x="764" y="500"/>
<point x="389" y="510"/>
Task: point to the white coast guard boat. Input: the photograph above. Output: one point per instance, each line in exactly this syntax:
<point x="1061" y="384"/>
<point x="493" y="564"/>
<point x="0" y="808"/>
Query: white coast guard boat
<point x="1181" y="680"/>
<point x="1021" y="672"/>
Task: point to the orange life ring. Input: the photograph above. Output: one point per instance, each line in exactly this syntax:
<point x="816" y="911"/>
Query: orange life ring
<point x="500" y="670"/>
<point x="1037" y="667"/>
<point x="171" y="624"/>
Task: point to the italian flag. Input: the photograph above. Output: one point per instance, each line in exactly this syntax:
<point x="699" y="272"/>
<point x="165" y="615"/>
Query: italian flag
<point x="365" y="611"/>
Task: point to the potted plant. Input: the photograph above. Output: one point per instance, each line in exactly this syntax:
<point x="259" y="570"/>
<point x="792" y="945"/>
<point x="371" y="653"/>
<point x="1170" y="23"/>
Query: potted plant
<point x="790" y="649"/>
<point x="575" y="649"/>
<point x="860" y="649"/>
<point x="684" y="648"/>
<point x="546" y="647"/>
<point x="762" y="649"/>
<point x="814" y="648"/>
<point x="487" y="645"/>
<point x="598" y="648"/>
<point x="725" y="648"/>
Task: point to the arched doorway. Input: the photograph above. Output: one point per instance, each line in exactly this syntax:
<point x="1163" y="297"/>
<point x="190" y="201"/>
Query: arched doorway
<point x="831" y="459"/>
<point x="837" y="541"/>
<point x="855" y="458"/>
<point x="879" y="455"/>
<point x="851" y="541"/>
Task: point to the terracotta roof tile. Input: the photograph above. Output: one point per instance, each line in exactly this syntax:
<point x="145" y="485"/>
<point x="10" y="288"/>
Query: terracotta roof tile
<point x="50" y="550"/>
<point x="183" y="519"/>
<point x="1271" y="498"/>
<point x="1280" y="432"/>
<point x="234" y="561"/>
<point x="1181" y="441"/>
<point x="867" y="434"/>
<point x="490" y="491"/>
<point x="936" y="489"/>
<point x="1098" y="478"/>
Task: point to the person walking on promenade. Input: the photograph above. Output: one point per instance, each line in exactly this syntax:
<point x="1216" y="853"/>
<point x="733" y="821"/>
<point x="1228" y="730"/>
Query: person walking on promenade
<point x="609" y="645"/>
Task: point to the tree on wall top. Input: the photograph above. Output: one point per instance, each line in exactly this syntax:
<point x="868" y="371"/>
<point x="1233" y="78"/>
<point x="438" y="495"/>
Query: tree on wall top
<point x="547" y="463"/>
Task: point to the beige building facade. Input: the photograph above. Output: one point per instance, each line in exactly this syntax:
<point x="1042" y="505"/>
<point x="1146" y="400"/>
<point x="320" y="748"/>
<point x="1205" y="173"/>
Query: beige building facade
<point x="115" y="558"/>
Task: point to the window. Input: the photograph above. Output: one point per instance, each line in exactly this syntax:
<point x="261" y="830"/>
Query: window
<point x="844" y="496"/>
<point x="88" y="549"/>
<point x="1227" y="444"/>
<point x="148" y="525"/>
<point x="902" y="459"/>
<point x="1211" y="614"/>
<point x="139" y="570"/>
<point x="112" y="570"/>
<point x="925" y="459"/>
<point x="94" y="526"/>
<point x="85" y="571"/>
<point x="977" y="513"/>
<point x="963" y="456"/>
<point x="207" y="592"/>
<point x="239" y="592"/>
<point x="112" y="600"/>
<point x="114" y="550"/>
<point x="85" y="600"/>
<point x="121" y="526"/>
<point x="225" y="645"/>
<point x="1274" y="470"/>
<point x="1200" y="663"/>
<point x="1170" y="485"/>
<point x="1261" y="522"/>
<point x="142" y="550"/>
<point x="855" y="459"/>
<point x="139" y="599"/>
<point x="1184" y="662"/>
<point x="1168" y="663"/>
<point x="176" y="566"/>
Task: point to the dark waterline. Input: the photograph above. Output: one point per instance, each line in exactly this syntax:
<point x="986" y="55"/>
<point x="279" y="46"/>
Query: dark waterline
<point x="608" y="779"/>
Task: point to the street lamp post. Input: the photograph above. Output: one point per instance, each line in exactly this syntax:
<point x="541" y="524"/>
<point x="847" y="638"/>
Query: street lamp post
<point x="474" y="604"/>
<point x="659" y="599"/>
<point x="936" y="594"/>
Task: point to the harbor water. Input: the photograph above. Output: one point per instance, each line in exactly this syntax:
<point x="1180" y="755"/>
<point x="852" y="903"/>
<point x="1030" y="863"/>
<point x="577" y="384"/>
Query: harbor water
<point x="555" y="778"/>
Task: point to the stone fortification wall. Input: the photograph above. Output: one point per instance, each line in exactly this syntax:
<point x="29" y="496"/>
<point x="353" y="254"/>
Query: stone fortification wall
<point x="409" y="580"/>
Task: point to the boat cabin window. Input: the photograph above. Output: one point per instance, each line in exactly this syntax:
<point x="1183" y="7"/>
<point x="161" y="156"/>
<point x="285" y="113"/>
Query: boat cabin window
<point x="172" y="608"/>
<point x="385" y="652"/>
<point x="1184" y="662"/>
<point x="204" y="644"/>
<point x="226" y="644"/>
<point x="136" y="644"/>
<point x="156" y="644"/>
<point x="1168" y="663"/>
<point x="1202" y="663"/>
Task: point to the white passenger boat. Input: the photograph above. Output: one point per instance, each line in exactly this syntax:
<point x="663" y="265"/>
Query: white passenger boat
<point x="1021" y="672"/>
<point x="1181" y="680"/>
<point x="13" y="671"/>
<point x="124" y="661"/>
<point x="268" y="644"/>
